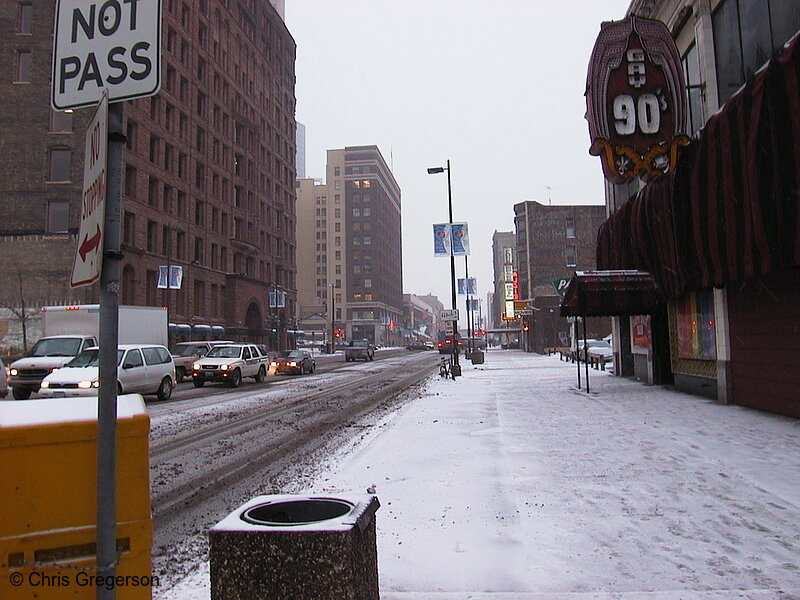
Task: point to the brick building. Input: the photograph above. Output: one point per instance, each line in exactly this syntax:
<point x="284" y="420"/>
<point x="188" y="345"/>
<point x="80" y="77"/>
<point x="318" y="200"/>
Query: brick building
<point x="208" y="174"/>
<point x="351" y="227"/>
<point x="552" y="242"/>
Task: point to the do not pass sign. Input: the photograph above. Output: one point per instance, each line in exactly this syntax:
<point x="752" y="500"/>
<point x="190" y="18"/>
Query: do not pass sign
<point x="112" y="45"/>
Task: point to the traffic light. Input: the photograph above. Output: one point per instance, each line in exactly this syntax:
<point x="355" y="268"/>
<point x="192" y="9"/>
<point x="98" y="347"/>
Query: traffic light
<point x="339" y="332"/>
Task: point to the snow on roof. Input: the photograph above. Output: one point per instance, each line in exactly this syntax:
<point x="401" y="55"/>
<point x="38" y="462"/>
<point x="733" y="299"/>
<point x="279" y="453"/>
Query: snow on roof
<point x="51" y="411"/>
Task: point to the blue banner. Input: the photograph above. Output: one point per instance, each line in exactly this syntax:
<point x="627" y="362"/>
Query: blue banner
<point x="467" y="286"/>
<point x="441" y="239"/>
<point x="459" y="237"/>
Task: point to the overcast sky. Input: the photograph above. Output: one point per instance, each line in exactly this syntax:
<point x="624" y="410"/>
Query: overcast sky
<point x="496" y="86"/>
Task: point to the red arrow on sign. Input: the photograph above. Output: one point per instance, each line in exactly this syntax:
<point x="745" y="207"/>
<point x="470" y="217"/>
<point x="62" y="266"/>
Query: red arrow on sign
<point x="89" y="244"/>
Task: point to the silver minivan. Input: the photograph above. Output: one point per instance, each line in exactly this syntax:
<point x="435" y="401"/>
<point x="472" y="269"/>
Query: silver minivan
<point x="141" y="369"/>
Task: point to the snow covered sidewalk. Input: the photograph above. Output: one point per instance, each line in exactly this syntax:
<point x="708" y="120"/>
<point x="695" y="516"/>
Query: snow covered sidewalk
<point x="510" y="484"/>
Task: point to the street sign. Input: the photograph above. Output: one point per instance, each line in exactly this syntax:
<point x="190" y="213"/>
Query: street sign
<point x="449" y="314"/>
<point x="561" y="285"/>
<point x="525" y="312"/>
<point x="89" y="256"/>
<point x="99" y="45"/>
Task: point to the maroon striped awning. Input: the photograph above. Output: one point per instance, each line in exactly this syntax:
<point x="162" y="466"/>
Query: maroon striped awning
<point x="610" y="293"/>
<point x="731" y="210"/>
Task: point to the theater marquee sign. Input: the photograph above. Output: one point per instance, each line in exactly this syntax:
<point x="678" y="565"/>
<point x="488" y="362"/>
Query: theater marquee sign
<point x="635" y="100"/>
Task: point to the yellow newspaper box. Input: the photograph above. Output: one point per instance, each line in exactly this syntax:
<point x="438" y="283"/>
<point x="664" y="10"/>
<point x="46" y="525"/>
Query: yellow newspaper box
<point x="48" y="488"/>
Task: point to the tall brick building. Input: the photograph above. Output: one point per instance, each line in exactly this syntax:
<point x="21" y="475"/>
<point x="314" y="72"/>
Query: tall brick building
<point x="552" y="243"/>
<point x="351" y="227"/>
<point x="209" y="168"/>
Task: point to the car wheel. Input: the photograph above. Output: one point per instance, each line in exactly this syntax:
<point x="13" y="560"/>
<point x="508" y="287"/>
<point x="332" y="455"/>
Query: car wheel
<point x="180" y="373"/>
<point x="235" y="379"/>
<point x="313" y="367"/>
<point x="198" y="383"/>
<point x="261" y="374"/>
<point x="21" y="394"/>
<point x="302" y="369"/>
<point x="371" y="357"/>
<point x="164" y="390"/>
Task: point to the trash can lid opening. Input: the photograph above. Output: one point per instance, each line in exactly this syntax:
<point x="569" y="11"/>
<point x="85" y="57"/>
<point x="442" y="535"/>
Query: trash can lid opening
<point x="296" y="512"/>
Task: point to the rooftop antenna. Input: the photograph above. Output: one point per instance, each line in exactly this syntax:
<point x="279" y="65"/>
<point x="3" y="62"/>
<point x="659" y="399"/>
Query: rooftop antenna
<point x="549" y="199"/>
<point x="391" y="159"/>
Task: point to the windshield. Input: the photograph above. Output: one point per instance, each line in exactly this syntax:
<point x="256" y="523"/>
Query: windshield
<point x="57" y="347"/>
<point x="90" y="358"/>
<point x="190" y="350"/>
<point x="361" y="343"/>
<point x="225" y="352"/>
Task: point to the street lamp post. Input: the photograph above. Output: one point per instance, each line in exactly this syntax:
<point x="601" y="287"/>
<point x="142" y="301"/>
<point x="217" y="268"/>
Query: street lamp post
<point x="431" y="171"/>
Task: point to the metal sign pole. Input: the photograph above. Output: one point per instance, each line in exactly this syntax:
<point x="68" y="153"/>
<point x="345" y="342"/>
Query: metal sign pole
<point x="107" y="396"/>
<point x="586" y="358"/>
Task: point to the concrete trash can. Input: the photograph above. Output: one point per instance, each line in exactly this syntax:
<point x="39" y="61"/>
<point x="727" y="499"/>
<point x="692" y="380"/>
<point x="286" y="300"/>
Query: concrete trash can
<point x="287" y="547"/>
<point x="477" y="357"/>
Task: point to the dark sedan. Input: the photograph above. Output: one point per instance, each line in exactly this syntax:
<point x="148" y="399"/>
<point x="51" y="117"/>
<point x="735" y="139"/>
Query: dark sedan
<point x="293" y="361"/>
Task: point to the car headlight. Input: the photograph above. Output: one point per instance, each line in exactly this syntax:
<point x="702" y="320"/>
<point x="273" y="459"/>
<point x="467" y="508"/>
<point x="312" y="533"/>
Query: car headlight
<point x="292" y="364"/>
<point x="45" y="384"/>
<point x="223" y="367"/>
<point x="13" y="372"/>
<point x="273" y="364"/>
<point x="54" y="369"/>
<point x="196" y="367"/>
<point x="84" y="385"/>
<point x="95" y="384"/>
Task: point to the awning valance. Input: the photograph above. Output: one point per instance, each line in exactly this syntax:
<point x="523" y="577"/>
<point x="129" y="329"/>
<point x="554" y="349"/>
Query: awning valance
<point x="610" y="293"/>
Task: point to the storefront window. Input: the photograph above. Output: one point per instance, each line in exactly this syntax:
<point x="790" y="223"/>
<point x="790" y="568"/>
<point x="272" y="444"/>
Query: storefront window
<point x="697" y="326"/>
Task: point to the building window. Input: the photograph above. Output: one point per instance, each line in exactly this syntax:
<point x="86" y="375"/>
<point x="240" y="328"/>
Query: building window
<point x="746" y="33"/>
<point x="356" y="212"/>
<point x="61" y="121"/>
<point x="60" y="164"/>
<point x="571" y="255"/>
<point x="694" y="89"/>
<point x="25" y="20"/>
<point x="23" y="66"/>
<point x="367" y="241"/>
<point x="337" y="185"/>
<point x="130" y="181"/>
<point x="130" y="135"/>
<point x="154" y="145"/>
<point x="366" y="210"/>
<point x="152" y="191"/>
<point x="368" y="283"/>
<point x="570" y="228"/>
<point x="129" y="229"/>
<point x="57" y="216"/>
<point x="151" y="236"/>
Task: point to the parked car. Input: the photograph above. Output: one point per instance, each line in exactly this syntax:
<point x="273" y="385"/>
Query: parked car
<point x="3" y="380"/>
<point x="229" y="364"/>
<point x="359" y="350"/>
<point x="598" y="350"/>
<point x="293" y="361"/>
<point x="185" y="354"/>
<point x="145" y="369"/>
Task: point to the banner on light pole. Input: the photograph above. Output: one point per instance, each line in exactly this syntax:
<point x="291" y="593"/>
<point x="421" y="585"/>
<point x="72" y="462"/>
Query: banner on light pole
<point x="467" y="286"/>
<point x="441" y="239"/>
